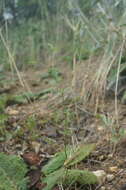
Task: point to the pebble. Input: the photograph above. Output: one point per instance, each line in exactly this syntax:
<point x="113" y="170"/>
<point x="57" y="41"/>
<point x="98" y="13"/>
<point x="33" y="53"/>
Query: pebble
<point x="113" y="169"/>
<point x="110" y="177"/>
<point x="100" y="174"/>
<point x="103" y="188"/>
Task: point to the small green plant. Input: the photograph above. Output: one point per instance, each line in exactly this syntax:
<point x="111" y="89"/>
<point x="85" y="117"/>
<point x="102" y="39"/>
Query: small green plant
<point x="54" y="73"/>
<point x="64" y="117"/>
<point x="31" y="127"/>
<point x="27" y="97"/>
<point x="3" y="130"/>
<point x="112" y="79"/>
<point x="13" y="170"/>
<point x="12" y="173"/>
<point x="110" y="125"/>
<point x="31" y="122"/>
<point x="3" y="101"/>
<point x="57" y="170"/>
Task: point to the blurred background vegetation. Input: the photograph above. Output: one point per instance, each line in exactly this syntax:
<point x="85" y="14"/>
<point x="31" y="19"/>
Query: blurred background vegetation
<point x="35" y="32"/>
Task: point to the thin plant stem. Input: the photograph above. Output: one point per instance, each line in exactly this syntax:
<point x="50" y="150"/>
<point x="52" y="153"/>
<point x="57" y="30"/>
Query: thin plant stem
<point x="117" y="79"/>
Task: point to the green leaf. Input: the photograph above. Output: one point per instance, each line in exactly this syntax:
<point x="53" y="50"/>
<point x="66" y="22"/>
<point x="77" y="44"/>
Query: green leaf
<point x="3" y="100"/>
<point x="79" y="154"/>
<point x="12" y="173"/>
<point x="27" y="96"/>
<point x="54" y="73"/>
<point x="56" y="162"/>
<point x="105" y="119"/>
<point x="69" y="177"/>
<point x="16" y="99"/>
<point x="68" y="157"/>
<point x="3" y="119"/>
<point x="54" y="178"/>
<point x="44" y="76"/>
<point x="83" y="177"/>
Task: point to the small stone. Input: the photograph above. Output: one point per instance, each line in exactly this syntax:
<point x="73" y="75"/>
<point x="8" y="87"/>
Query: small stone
<point x="113" y="169"/>
<point x="101" y="175"/>
<point x="18" y="146"/>
<point x="103" y="188"/>
<point x="11" y="111"/>
<point x="110" y="156"/>
<point x="36" y="146"/>
<point x="100" y="128"/>
<point x="102" y="157"/>
<point x="110" y="177"/>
